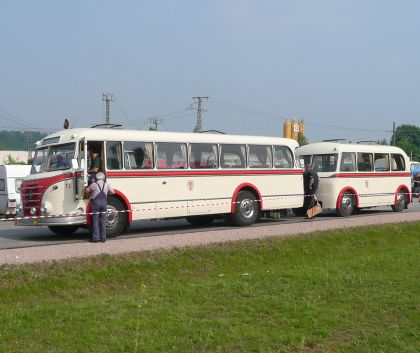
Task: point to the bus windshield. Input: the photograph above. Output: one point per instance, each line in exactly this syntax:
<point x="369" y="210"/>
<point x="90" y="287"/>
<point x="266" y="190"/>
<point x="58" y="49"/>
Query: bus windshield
<point x="48" y="159"/>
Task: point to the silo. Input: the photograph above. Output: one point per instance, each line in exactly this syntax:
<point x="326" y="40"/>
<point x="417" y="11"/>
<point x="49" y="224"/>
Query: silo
<point x="287" y="129"/>
<point x="295" y="129"/>
<point x="301" y="127"/>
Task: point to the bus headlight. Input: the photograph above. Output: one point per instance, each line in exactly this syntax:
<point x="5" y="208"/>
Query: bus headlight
<point x="43" y="208"/>
<point x="33" y="211"/>
<point x="80" y="210"/>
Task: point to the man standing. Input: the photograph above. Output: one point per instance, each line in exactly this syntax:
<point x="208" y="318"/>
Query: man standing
<point x="99" y="191"/>
<point x="95" y="164"/>
<point x="310" y="180"/>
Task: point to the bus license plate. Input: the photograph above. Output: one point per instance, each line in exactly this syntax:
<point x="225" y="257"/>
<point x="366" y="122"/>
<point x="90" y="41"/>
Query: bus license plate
<point x="11" y="204"/>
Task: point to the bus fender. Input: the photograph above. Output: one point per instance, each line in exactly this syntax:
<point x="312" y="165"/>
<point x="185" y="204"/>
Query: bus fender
<point x="404" y="189"/>
<point x="121" y="197"/>
<point x="343" y="190"/>
<point x="249" y="187"/>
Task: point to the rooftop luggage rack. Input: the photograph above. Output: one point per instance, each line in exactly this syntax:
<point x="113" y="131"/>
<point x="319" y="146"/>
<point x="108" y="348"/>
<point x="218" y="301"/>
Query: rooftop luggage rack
<point x="106" y="126"/>
<point x="367" y="142"/>
<point x="336" y="140"/>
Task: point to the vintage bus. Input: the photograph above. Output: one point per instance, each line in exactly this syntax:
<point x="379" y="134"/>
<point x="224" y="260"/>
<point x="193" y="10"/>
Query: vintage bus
<point x="354" y="176"/>
<point x="160" y="175"/>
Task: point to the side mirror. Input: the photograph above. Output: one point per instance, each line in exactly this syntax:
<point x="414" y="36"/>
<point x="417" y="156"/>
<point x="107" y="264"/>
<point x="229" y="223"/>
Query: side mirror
<point x="74" y="164"/>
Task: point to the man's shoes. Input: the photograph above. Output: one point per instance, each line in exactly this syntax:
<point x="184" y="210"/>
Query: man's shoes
<point x="103" y="240"/>
<point x="93" y="241"/>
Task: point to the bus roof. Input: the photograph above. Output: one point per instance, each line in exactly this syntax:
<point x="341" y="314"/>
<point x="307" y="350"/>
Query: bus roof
<point x="333" y="147"/>
<point x="98" y="134"/>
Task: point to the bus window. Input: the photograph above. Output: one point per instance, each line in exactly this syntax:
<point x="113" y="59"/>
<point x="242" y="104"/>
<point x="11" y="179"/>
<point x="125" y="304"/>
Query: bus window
<point x="259" y="157"/>
<point x="171" y="155"/>
<point x="324" y="162"/>
<point x="397" y="162"/>
<point x="203" y="155"/>
<point x="348" y="162"/>
<point x="113" y="155"/>
<point x="364" y="162"/>
<point x="283" y="157"/>
<point x="232" y="156"/>
<point x="381" y="162"/>
<point x="304" y="160"/>
<point x="138" y="155"/>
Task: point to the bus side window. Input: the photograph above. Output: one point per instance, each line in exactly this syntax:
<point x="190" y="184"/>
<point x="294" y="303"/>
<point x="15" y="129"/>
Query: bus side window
<point x="283" y="157"/>
<point x="397" y="162"/>
<point x="171" y="155"/>
<point x="259" y="157"/>
<point x="113" y="155"/>
<point x="381" y="162"/>
<point x="348" y="162"/>
<point x="364" y="162"/>
<point x="202" y="155"/>
<point x="232" y="156"/>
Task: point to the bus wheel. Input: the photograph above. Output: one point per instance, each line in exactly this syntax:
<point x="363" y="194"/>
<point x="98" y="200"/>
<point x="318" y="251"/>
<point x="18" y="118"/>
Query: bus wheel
<point x="246" y="209"/>
<point x="63" y="230"/>
<point x="200" y="220"/>
<point x="116" y="219"/>
<point x="401" y="202"/>
<point x="347" y="205"/>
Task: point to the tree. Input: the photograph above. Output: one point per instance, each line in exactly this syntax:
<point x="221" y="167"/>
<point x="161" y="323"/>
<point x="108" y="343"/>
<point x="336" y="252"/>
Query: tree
<point x="10" y="160"/>
<point x="407" y="137"/>
<point x="302" y="140"/>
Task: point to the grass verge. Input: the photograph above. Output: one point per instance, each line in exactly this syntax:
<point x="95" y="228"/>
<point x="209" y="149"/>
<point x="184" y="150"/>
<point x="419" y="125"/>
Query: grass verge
<point x="354" y="290"/>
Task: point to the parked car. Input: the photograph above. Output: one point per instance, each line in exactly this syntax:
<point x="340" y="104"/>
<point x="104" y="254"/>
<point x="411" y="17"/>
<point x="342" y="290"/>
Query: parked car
<point x="11" y="177"/>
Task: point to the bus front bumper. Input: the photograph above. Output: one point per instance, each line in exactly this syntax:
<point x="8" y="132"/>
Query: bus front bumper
<point x="52" y="221"/>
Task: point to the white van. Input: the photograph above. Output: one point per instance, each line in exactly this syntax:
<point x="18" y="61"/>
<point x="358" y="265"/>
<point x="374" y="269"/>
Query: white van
<point x="11" y="177"/>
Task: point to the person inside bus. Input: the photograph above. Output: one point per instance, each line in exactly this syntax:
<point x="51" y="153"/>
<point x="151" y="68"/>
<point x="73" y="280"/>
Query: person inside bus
<point x="310" y="180"/>
<point x="99" y="190"/>
<point x="95" y="163"/>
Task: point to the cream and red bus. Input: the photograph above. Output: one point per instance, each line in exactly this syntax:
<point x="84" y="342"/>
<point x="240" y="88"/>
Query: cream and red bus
<point x="354" y="176"/>
<point x="160" y="175"/>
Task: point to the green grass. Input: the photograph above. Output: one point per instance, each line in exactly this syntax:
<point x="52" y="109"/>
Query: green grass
<point x="354" y="290"/>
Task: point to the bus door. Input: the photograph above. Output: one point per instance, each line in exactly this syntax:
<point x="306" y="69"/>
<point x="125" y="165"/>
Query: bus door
<point x="81" y="176"/>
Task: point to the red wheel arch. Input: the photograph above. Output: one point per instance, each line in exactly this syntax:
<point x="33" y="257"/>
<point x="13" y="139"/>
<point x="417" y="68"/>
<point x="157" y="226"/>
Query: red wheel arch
<point x="343" y="190"/>
<point x="403" y="188"/>
<point x="246" y="186"/>
<point x="124" y="200"/>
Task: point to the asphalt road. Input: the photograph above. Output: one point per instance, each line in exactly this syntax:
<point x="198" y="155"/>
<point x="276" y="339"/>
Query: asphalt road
<point x="12" y="237"/>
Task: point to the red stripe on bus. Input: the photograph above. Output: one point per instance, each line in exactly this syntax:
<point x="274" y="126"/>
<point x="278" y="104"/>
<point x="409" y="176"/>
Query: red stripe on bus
<point x="364" y="175"/>
<point x="208" y="172"/>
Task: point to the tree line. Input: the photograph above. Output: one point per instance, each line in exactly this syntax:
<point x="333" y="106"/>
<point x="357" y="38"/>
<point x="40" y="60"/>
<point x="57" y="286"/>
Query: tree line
<point x="18" y="140"/>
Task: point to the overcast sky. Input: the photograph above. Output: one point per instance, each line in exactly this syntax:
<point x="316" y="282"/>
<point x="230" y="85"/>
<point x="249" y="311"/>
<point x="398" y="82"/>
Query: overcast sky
<point x="348" y="68"/>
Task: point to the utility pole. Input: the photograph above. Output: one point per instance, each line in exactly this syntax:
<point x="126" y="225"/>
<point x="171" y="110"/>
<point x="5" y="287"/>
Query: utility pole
<point x="199" y="124"/>
<point x="153" y="124"/>
<point x="29" y="145"/>
<point x="107" y="97"/>
<point x="393" y="133"/>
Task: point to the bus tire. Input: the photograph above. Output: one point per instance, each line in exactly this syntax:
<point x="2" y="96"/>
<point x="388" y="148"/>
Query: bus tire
<point x="347" y="205"/>
<point x="200" y="220"/>
<point x="246" y="209"/>
<point x="401" y="203"/>
<point x="116" y="219"/>
<point x="63" y="230"/>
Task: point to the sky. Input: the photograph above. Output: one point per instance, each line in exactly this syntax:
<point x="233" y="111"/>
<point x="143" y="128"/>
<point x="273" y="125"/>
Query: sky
<point x="348" y="68"/>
